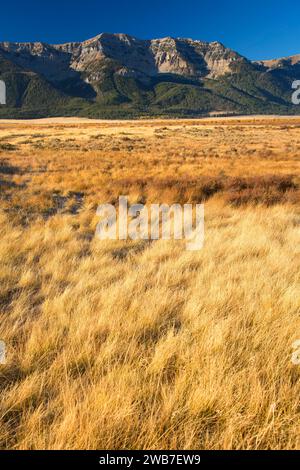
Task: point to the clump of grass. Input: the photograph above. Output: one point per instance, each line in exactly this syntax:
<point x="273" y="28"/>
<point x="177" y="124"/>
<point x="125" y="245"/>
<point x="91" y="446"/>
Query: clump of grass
<point x="7" y="147"/>
<point x="268" y="190"/>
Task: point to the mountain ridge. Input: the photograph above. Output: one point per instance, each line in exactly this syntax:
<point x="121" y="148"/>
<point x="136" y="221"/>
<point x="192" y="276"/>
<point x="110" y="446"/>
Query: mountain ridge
<point x="120" y="75"/>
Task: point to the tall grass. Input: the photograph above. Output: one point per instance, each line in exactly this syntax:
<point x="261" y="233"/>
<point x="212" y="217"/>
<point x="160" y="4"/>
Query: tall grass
<point x="114" y="344"/>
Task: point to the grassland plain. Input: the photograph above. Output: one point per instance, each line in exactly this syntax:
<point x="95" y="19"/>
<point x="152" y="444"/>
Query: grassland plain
<point x="140" y="344"/>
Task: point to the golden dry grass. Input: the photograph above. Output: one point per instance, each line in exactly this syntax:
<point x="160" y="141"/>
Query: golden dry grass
<point x="134" y="344"/>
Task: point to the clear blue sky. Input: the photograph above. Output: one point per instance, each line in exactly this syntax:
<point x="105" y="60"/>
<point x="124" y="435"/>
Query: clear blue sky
<point x="258" y="29"/>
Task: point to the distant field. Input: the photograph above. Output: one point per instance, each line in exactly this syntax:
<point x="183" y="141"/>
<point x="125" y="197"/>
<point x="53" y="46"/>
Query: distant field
<point x="142" y="344"/>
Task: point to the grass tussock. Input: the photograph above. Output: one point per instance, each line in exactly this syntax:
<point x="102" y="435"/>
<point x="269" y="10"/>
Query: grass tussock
<point x="142" y="345"/>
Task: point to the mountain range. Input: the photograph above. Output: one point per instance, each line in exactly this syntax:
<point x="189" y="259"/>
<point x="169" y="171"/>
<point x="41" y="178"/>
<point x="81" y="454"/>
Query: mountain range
<point x="120" y="76"/>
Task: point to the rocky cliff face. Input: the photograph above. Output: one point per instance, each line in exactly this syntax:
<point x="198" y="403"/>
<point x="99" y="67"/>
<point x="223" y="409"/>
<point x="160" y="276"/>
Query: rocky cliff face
<point x="192" y="58"/>
<point x="150" y="57"/>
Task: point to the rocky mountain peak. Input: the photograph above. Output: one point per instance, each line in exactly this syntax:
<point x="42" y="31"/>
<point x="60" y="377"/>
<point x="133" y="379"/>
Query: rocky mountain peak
<point x="180" y="56"/>
<point x="289" y="61"/>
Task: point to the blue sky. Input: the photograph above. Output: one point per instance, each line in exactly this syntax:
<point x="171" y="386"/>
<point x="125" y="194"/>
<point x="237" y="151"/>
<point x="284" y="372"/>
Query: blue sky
<point x="258" y="29"/>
